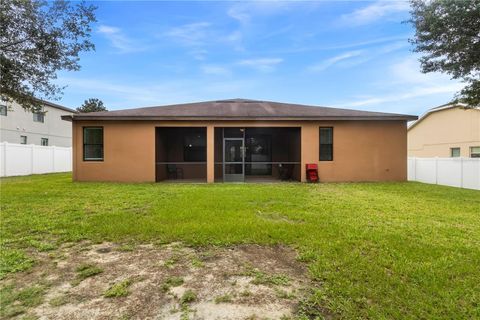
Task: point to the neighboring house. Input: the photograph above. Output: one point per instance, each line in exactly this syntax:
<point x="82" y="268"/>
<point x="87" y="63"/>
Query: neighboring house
<point x="446" y="131"/>
<point x="239" y="140"/>
<point x="44" y="128"/>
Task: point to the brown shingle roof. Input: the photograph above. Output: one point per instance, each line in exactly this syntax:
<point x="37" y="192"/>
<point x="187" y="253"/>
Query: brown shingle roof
<point x="240" y="109"/>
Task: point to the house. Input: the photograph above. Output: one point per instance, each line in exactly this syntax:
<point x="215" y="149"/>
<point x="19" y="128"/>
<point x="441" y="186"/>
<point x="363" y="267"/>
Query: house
<point x="238" y="140"/>
<point x="44" y="128"/>
<point x="446" y="131"/>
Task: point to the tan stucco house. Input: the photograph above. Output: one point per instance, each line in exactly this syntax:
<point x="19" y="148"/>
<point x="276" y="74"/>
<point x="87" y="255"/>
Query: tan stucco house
<point x="239" y="140"/>
<point x="446" y="131"/>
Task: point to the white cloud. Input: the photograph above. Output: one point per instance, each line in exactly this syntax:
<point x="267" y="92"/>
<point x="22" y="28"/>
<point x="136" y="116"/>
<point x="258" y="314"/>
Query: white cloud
<point x="413" y="93"/>
<point x="119" y="40"/>
<point x="374" y="12"/>
<point x="239" y="13"/>
<point x="356" y="57"/>
<point x="215" y="70"/>
<point x="235" y="39"/>
<point x="334" y="60"/>
<point x="245" y="11"/>
<point x="408" y="71"/>
<point x="375" y="41"/>
<point x="119" y="94"/>
<point x="262" y="64"/>
<point x="404" y="81"/>
<point x="192" y="34"/>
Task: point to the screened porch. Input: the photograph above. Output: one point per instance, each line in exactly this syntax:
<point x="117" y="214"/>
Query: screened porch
<point x="181" y="154"/>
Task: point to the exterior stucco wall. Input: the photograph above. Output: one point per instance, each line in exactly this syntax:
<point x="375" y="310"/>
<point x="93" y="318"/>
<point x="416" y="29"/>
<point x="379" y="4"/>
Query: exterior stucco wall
<point x="129" y="153"/>
<point x="362" y="150"/>
<point x="366" y="151"/>
<point x="19" y="122"/>
<point x="445" y="129"/>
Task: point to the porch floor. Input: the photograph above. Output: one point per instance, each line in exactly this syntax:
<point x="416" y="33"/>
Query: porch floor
<point x="183" y="181"/>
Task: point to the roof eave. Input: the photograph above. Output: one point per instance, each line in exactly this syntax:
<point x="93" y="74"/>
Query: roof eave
<point x="209" y="118"/>
<point x="437" y="109"/>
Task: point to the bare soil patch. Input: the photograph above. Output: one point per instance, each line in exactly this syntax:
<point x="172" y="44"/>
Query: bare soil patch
<point x="111" y="281"/>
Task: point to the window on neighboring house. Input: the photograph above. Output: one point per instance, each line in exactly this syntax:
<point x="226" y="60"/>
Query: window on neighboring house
<point x="454" y="152"/>
<point x="474" y="152"/>
<point x="195" y="147"/>
<point x="44" y="141"/>
<point x="326" y="144"/>
<point x="38" y="117"/>
<point x="3" y="108"/>
<point x="93" y="143"/>
<point x="23" y="139"/>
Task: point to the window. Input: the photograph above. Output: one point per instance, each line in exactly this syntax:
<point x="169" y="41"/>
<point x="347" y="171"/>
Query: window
<point x="474" y="152"/>
<point x="195" y="147"/>
<point x="93" y="144"/>
<point x="3" y="109"/>
<point x="23" y="139"/>
<point x="326" y="144"/>
<point x="44" y="141"/>
<point x="454" y="152"/>
<point x="38" y="117"/>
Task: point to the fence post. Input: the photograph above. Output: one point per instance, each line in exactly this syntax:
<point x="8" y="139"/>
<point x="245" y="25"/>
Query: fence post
<point x="53" y="159"/>
<point x="436" y="170"/>
<point x="4" y="160"/>
<point x="414" y="168"/>
<point x="32" y="158"/>
<point x="461" y="172"/>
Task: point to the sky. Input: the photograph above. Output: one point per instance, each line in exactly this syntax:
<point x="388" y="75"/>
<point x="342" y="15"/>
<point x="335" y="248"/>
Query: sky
<point x="344" y="54"/>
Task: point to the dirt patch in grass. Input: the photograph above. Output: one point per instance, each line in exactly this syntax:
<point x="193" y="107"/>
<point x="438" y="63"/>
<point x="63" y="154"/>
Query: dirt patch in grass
<point x="161" y="282"/>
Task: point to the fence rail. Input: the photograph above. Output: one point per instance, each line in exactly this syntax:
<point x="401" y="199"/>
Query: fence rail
<point x="24" y="159"/>
<point x="455" y="172"/>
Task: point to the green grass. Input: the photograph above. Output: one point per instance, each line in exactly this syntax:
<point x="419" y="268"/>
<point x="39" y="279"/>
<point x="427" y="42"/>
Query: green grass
<point x="86" y="271"/>
<point x="119" y="289"/>
<point x="172" y="282"/>
<point x="374" y="250"/>
<point x="188" y="297"/>
<point x="260" y="277"/>
<point x="14" y="302"/>
<point x="225" y="298"/>
<point x="58" y="301"/>
<point x="13" y="260"/>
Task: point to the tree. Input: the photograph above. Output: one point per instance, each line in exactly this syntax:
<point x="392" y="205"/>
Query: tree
<point x="92" y="105"/>
<point x="448" y="34"/>
<point x="37" y="39"/>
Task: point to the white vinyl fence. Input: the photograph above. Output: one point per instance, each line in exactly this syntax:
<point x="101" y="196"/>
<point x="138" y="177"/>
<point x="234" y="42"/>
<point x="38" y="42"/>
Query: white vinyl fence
<point x="24" y="159"/>
<point x="455" y="172"/>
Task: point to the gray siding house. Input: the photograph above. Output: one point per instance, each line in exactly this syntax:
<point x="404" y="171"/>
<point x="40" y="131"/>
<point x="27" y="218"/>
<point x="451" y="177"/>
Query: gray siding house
<point x="43" y="128"/>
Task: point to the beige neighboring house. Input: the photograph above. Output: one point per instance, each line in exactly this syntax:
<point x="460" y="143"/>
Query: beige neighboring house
<point x="44" y="128"/>
<point x="446" y="131"/>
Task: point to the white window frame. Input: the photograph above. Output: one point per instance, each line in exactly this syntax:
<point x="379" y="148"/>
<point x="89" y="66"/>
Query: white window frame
<point x="3" y="107"/>
<point x="476" y="153"/>
<point x="37" y="114"/>
<point x="23" y="139"/>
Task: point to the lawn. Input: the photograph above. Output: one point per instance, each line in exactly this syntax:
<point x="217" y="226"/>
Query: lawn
<point x="374" y="250"/>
